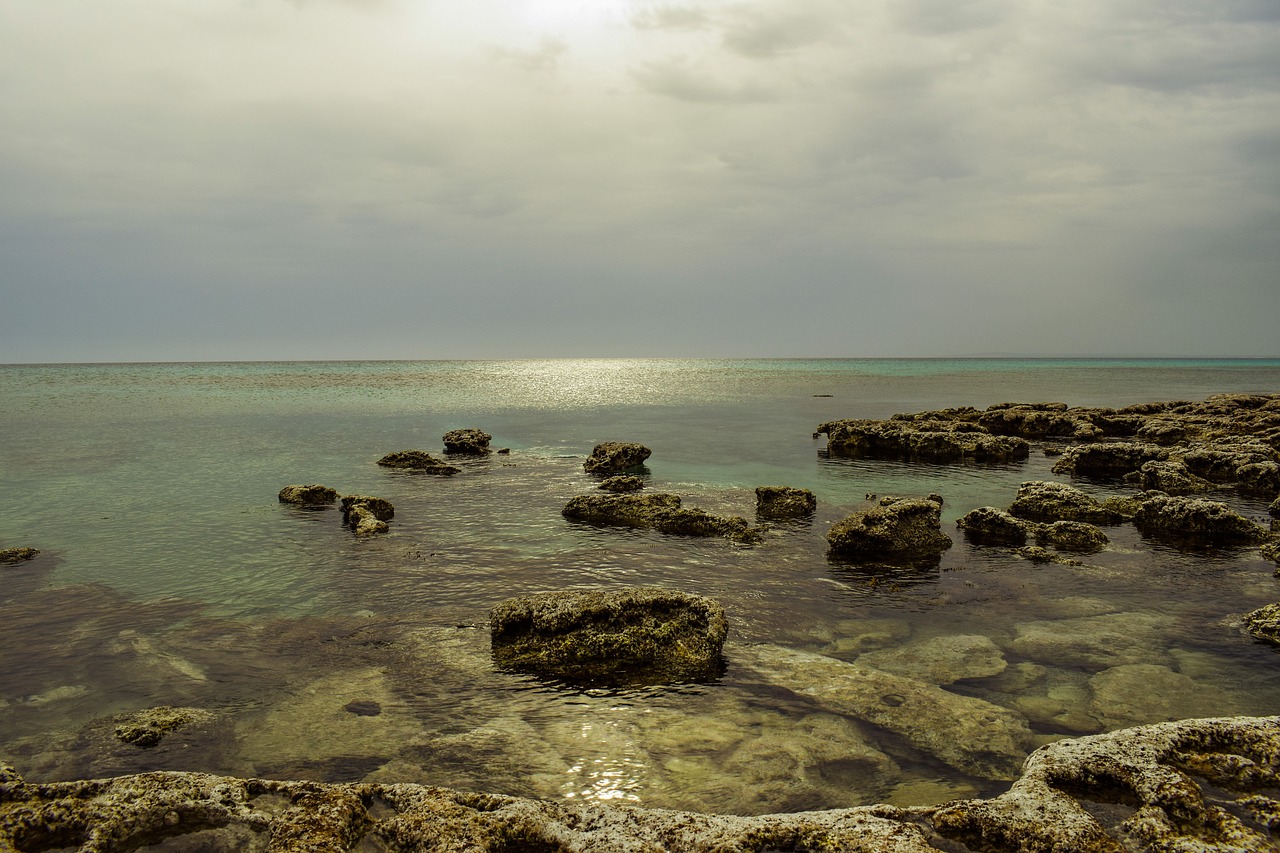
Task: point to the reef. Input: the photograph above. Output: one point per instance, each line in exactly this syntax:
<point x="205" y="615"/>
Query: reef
<point x="621" y="483"/>
<point x="1194" y="785"/>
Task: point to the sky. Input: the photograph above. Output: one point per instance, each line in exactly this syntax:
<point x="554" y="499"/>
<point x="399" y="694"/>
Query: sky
<point x="340" y="179"/>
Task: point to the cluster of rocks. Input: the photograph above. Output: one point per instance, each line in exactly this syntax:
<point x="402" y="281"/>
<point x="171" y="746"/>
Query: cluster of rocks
<point x="990" y="526"/>
<point x="13" y="556"/>
<point x="925" y="439"/>
<point x="658" y="511"/>
<point x="1191" y="785"/>
<point x="365" y="514"/>
<point x="417" y="460"/>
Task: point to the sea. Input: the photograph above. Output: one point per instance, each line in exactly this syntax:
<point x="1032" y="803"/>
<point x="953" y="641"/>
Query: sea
<point x="170" y="575"/>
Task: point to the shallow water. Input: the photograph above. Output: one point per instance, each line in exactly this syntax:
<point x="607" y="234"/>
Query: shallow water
<point x="170" y="574"/>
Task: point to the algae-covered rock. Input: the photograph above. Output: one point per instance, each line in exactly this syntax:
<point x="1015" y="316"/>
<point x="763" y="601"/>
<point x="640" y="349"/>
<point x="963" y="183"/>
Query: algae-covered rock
<point x="987" y="525"/>
<point x="1038" y="500"/>
<point x="1274" y="509"/>
<point x="367" y="515"/>
<point x="631" y="635"/>
<point x="1260" y="477"/>
<point x="1196" y="520"/>
<point x="312" y="495"/>
<point x="779" y="502"/>
<point x="940" y="660"/>
<point x="1075" y="536"/>
<point x="661" y="512"/>
<point x="1108" y="459"/>
<point x="920" y="441"/>
<point x="901" y="528"/>
<point x="147" y="728"/>
<point x="467" y="441"/>
<point x="417" y="460"/>
<point x="1173" y="478"/>
<point x="1091" y="642"/>
<point x="1264" y="623"/>
<point x="13" y="556"/>
<point x="613" y="457"/>
<point x="621" y="483"/>
<point x="1139" y="693"/>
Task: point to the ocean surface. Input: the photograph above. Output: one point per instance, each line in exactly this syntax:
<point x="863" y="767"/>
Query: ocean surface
<point x="169" y="574"/>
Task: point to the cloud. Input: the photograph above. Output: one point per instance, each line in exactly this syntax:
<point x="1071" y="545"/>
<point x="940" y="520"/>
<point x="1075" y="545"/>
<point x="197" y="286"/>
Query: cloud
<point x="677" y="18"/>
<point x="544" y="59"/>
<point x="682" y="80"/>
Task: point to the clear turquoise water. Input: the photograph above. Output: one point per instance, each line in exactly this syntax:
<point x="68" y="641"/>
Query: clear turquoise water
<point x="151" y="492"/>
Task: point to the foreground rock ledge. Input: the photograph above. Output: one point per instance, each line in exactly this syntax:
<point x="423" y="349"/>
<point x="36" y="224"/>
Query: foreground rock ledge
<point x="1132" y="790"/>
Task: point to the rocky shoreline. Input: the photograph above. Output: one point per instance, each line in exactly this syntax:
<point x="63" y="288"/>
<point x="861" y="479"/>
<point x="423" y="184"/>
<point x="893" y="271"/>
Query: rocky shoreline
<point x="1193" y="785"/>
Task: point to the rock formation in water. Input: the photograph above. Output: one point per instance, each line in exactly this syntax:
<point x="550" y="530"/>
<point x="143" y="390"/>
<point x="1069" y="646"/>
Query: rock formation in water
<point x="637" y="635"/>
<point x="898" y="527"/>
<point x="925" y="441"/>
<point x="1264" y="623"/>
<point x="621" y="483"/>
<point x="13" y="556"/>
<point x="366" y="514"/>
<point x="781" y="502"/>
<point x="1196" y="519"/>
<point x="660" y="511"/>
<point x="1038" y="500"/>
<point x="1195" y="785"/>
<point x="614" y="457"/>
<point x="467" y="441"/>
<point x="417" y="460"/>
<point x="1111" y="458"/>
<point x="147" y="728"/>
<point x="990" y="526"/>
<point x="312" y="495"/>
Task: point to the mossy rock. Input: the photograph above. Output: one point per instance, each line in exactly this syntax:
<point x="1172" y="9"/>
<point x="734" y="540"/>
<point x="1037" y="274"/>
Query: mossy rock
<point x="417" y="460"/>
<point x="312" y="495"/>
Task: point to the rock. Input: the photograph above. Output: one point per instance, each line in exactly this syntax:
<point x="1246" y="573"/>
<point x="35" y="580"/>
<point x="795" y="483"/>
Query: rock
<point x="659" y="511"/>
<point x="1260" y="477"/>
<point x="1271" y="550"/>
<point x="902" y="528"/>
<point x="621" y="483"/>
<point x="1037" y="554"/>
<point x="366" y="515"/>
<point x="1059" y="703"/>
<point x="1162" y="432"/>
<point x="1274" y="509"/>
<point x="1108" y="459"/>
<point x="987" y="525"/>
<point x="1264" y="623"/>
<point x="1222" y="462"/>
<point x="968" y="734"/>
<point x="1033" y="420"/>
<point x="147" y="728"/>
<point x="1140" y="693"/>
<point x="924" y="441"/>
<point x="855" y="636"/>
<point x="13" y="556"/>
<point x="1171" y="477"/>
<point x="941" y="660"/>
<point x="1196" y="520"/>
<point x="1046" y="501"/>
<point x="417" y="460"/>
<point x="633" y="635"/>
<point x="313" y="495"/>
<point x="779" y="502"/>
<point x="612" y="457"/>
<point x="1091" y="642"/>
<point x="471" y="441"/>
<point x="1072" y="536"/>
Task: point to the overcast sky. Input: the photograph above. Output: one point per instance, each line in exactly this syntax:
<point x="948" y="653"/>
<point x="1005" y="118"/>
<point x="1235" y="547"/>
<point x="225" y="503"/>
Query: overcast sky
<point x="309" y="179"/>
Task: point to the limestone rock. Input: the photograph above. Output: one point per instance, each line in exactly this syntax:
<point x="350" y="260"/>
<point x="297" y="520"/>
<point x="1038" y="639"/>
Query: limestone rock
<point x="417" y="460"/>
<point x="1108" y="459"/>
<point x="987" y="525"/>
<point x="471" y="441"/>
<point x="902" y="528"/>
<point x="1090" y="642"/>
<point x="147" y="728"/>
<point x="631" y="635"/>
<point x="921" y="441"/>
<point x="658" y="511"/>
<point x="612" y="457"/>
<point x="941" y="660"/>
<point x="1075" y="536"/>
<point x="1264" y="623"/>
<point x="621" y="483"/>
<point x="1196" y="520"/>
<point x="1222" y="461"/>
<point x="13" y="556"/>
<point x="1141" y="693"/>
<point x="1274" y="509"/>
<point x="366" y="514"/>
<point x="1047" y="501"/>
<point x="1031" y="420"/>
<point x="1170" y="477"/>
<point x="313" y="495"/>
<point x="1260" y="477"/>
<point x="779" y="502"/>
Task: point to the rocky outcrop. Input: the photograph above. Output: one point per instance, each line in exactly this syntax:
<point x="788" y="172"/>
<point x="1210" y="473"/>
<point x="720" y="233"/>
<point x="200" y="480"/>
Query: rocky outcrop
<point x="1075" y="536"/>
<point x="990" y="526"/>
<point x="467" y="441"/>
<point x="366" y="514"/>
<point x="1196" y="520"/>
<point x="613" y="457"/>
<point x="1264" y="623"/>
<point x="781" y="502"/>
<point x="417" y="460"/>
<point x="621" y="483"/>
<point x="1037" y="420"/>
<point x="1194" y="785"/>
<point x="13" y="556"/>
<point x="1039" y="500"/>
<point x="1110" y="459"/>
<point x="899" y="527"/>
<point x="1274" y="509"/>
<point x="661" y="512"/>
<point x="1173" y="478"/>
<point x="147" y="728"/>
<point x="312" y="495"/>
<point x="635" y="635"/>
<point x="933" y="441"/>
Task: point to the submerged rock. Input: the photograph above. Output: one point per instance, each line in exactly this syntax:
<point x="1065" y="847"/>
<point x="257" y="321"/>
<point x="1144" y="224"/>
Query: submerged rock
<point x="1091" y="642"/>
<point x="417" y="460"/>
<point x="1195" y="519"/>
<point x="1274" y="509"/>
<point x="633" y="635"/>
<point x="612" y="457"/>
<point x="923" y="441"/>
<point x="621" y="483"/>
<point x="661" y="512"/>
<point x="1038" y="500"/>
<point x="940" y="660"/>
<point x="1108" y="459"/>
<point x="779" y="502"/>
<point x="1076" y="536"/>
<point x="472" y="441"/>
<point x="147" y="728"/>
<point x="900" y="528"/>
<point x="13" y="556"/>
<point x="312" y="495"/>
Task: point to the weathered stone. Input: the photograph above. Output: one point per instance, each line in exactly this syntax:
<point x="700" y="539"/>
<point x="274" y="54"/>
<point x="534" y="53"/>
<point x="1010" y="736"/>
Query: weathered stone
<point x="417" y="460"/>
<point x="313" y="495"/>
<point x="903" y="528"/>
<point x="612" y="457"/>
<point x="147" y="728"/>
<point x="1108" y="459"/>
<point x="1222" y="462"/>
<point x="1071" y="536"/>
<point x="1037" y="554"/>
<point x="987" y="525"/>
<point x="366" y="515"/>
<point x="1171" y="477"/>
<point x="1030" y="420"/>
<point x="621" y="483"/>
<point x="1271" y="550"/>
<point x="632" y="635"/>
<point x="1046" y="501"/>
<point x="779" y="502"/>
<point x="940" y="660"/>
<point x="13" y="556"/>
<point x="1260" y="477"/>
<point x="1196" y="520"/>
<point x="1139" y="693"/>
<point x="918" y="441"/>
<point x="1091" y="642"/>
<point x="472" y="441"/>
<point x="659" y="511"/>
<point x="1264" y="623"/>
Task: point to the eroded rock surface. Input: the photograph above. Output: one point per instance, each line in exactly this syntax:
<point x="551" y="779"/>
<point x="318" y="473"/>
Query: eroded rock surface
<point x="614" y="457"/>
<point x="1196" y="519"/>
<point x="780" y="502"/>
<point x="926" y="440"/>
<point x="660" y="511"/>
<point x="899" y="527"/>
<point x="13" y="556"/>
<point x="621" y="483"/>
<point x="1039" y="500"/>
<point x="417" y="460"/>
<point x="367" y="514"/>
<point x="312" y="495"/>
<point x="467" y="441"/>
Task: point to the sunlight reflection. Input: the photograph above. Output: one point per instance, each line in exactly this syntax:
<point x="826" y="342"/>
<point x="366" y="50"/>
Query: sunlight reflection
<point x="613" y="768"/>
